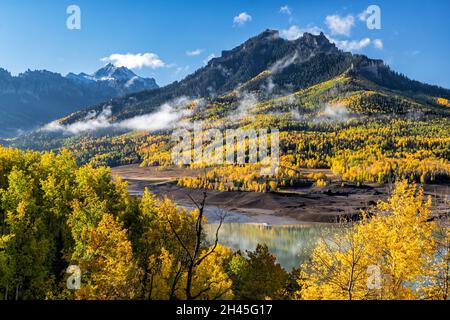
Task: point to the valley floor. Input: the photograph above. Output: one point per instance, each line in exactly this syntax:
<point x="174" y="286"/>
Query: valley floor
<point x="288" y="206"/>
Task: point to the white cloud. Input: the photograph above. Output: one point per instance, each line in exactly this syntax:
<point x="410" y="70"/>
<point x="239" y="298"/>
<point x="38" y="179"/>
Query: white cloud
<point x="208" y="58"/>
<point x="336" y="112"/>
<point x="313" y="30"/>
<point x="378" y="43"/>
<point x="269" y="86"/>
<point x="166" y="117"/>
<point x="91" y="122"/>
<point x="195" y="52"/>
<point x="135" y="61"/>
<point x="364" y="15"/>
<point x="293" y="33"/>
<point x="283" y="63"/>
<point x="247" y="101"/>
<point x="286" y="10"/>
<point x="242" y="19"/>
<point x="340" y="25"/>
<point x="352" y="45"/>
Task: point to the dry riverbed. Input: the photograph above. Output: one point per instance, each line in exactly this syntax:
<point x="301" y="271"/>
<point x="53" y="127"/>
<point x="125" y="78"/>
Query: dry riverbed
<point x="289" y="206"/>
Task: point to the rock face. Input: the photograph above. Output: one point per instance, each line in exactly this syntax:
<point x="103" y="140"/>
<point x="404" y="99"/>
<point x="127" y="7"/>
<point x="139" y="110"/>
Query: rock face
<point x="34" y="98"/>
<point x="120" y="78"/>
<point x="265" y="62"/>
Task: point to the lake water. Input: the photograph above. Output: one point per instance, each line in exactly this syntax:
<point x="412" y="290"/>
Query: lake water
<point x="288" y="240"/>
<point x="290" y="244"/>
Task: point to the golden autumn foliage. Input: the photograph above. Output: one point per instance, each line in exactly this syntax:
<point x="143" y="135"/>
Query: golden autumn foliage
<point x="397" y="241"/>
<point x="54" y="213"/>
<point x="337" y="270"/>
<point x="371" y="166"/>
<point x="375" y="150"/>
<point x="211" y="278"/>
<point x="443" y="102"/>
<point x="165" y="271"/>
<point x="435" y="283"/>
<point x="109" y="270"/>
<point x="210" y="282"/>
<point x="246" y="177"/>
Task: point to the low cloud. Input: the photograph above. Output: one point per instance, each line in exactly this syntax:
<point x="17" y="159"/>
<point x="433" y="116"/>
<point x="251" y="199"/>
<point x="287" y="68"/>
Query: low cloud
<point x="329" y="113"/>
<point x="242" y="19"/>
<point x="283" y="63"/>
<point x="340" y="25"/>
<point x="135" y="61"/>
<point x="247" y="101"/>
<point x="166" y="117"/>
<point x="296" y="115"/>
<point x="268" y="87"/>
<point x="352" y="45"/>
<point x="334" y="112"/>
<point x="294" y="32"/>
<point x="91" y="122"/>
<point x="209" y="58"/>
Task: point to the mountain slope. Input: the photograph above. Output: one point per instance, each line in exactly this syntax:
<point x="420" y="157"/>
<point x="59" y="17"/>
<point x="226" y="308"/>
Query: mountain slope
<point x="306" y="86"/>
<point x="272" y="65"/>
<point x="34" y="98"/>
<point x="121" y="79"/>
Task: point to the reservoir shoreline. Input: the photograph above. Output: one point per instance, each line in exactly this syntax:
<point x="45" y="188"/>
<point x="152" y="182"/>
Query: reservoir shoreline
<point x="291" y="206"/>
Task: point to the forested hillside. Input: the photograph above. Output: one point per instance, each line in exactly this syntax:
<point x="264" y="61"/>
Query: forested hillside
<point x="34" y="98"/>
<point x="335" y="110"/>
<point x="288" y="65"/>
<point x="54" y="214"/>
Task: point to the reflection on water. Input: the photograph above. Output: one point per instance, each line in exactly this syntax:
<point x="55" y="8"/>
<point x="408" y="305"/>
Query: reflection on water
<point x="290" y="244"/>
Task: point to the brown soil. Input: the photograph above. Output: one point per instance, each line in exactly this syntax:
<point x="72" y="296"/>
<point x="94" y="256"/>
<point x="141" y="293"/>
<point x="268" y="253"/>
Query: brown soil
<point x="308" y="204"/>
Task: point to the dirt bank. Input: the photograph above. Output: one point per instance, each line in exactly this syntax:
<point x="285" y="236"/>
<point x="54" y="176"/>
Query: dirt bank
<point x="304" y="205"/>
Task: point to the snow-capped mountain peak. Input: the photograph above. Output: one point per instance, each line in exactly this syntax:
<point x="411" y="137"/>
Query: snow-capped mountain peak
<point x="111" y="72"/>
<point x="120" y="78"/>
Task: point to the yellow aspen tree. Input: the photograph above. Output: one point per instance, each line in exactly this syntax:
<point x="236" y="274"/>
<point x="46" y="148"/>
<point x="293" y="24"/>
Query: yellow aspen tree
<point x="398" y="239"/>
<point x="109" y="270"/>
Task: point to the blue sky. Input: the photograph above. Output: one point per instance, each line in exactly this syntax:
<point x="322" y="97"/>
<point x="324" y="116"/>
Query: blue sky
<point x="413" y="39"/>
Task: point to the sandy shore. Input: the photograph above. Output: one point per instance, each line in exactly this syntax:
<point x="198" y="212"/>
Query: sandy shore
<point x="289" y="206"/>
